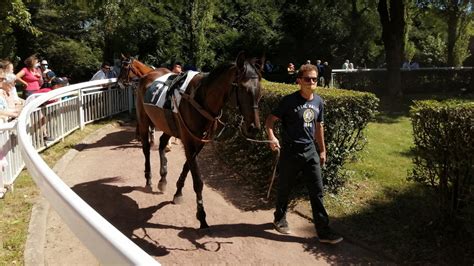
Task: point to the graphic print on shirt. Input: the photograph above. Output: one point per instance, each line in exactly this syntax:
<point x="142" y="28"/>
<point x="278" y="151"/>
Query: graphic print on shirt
<point x="308" y="112"/>
<point x="308" y="117"/>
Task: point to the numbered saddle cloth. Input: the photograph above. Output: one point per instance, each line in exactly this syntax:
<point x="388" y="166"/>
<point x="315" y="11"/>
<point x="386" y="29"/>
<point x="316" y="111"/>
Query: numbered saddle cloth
<point x="160" y="91"/>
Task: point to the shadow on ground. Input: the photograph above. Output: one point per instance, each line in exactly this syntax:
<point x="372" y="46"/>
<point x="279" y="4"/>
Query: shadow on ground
<point x="111" y="201"/>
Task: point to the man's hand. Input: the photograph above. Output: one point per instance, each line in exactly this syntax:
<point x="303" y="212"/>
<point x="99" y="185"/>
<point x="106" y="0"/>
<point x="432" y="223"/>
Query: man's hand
<point x="274" y="144"/>
<point x="322" y="158"/>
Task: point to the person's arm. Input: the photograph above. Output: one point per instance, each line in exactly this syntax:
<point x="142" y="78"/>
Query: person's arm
<point x="9" y="113"/>
<point x="269" y="123"/>
<point x="19" y="76"/>
<point x="319" y="137"/>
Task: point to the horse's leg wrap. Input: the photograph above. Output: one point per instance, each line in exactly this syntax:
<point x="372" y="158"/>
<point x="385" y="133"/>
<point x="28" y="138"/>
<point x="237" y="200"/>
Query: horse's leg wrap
<point x="178" y="196"/>
<point x="163" y="162"/>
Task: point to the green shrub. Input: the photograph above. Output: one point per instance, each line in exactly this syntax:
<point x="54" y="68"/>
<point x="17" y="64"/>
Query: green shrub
<point x="346" y="115"/>
<point x="444" y="152"/>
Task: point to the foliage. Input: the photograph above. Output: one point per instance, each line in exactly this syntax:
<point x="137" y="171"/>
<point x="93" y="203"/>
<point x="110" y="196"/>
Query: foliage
<point x="346" y="115"/>
<point x="444" y="149"/>
<point x="205" y="33"/>
<point x="14" y="15"/>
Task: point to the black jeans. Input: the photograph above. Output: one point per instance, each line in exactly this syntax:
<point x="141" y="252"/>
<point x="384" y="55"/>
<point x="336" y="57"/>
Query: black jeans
<point x="294" y="160"/>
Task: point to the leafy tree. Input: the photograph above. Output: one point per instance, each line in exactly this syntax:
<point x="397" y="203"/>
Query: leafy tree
<point x="458" y="16"/>
<point x="14" y="17"/>
<point x="72" y="59"/>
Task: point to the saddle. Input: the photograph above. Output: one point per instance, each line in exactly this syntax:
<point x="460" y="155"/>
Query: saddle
<point x="174" y="82"/>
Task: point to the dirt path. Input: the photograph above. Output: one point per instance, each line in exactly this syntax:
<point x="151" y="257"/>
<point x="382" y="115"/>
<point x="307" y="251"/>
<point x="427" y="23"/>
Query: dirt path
<point x="108" y="174"/>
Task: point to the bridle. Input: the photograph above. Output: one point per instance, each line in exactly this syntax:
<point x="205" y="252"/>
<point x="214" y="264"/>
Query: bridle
<point x="128" y="64"/>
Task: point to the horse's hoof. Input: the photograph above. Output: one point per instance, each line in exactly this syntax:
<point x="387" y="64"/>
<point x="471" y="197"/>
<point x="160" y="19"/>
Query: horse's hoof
<point x="162" y="186"/>
<point x="148" y="184"/>
<point x="204" y="226"/>
<point x="177" y="200"/>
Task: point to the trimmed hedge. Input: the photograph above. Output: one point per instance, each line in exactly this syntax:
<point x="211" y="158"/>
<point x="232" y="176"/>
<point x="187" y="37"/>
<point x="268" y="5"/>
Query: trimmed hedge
<point x="346" y="115"/>
<point x="444" y="154"/>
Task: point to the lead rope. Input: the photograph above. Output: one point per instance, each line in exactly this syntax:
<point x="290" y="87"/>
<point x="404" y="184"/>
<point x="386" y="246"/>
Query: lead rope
<point x="275" y="161"/>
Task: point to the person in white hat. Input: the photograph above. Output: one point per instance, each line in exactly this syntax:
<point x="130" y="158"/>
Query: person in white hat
<point x="47" y="73"/>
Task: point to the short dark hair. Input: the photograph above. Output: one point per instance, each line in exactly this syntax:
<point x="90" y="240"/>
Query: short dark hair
<point x="306" y="68"/>
<point x="105" y="63"/>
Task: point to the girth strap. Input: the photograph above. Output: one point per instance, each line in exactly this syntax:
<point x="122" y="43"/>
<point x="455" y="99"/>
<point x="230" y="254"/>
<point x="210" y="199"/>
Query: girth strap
<point x="198" y="107"/>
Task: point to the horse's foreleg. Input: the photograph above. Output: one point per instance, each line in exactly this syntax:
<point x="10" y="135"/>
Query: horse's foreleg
<point x="198" y="185"/>
<point x="146" y="152"/>
<point x="163" y="161"/>
<point x="151" y="134"/>
<point x="178" y="196"/>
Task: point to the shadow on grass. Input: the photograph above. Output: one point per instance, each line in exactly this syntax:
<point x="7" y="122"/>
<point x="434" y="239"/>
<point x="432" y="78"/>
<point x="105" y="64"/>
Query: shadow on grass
<point x="403" y="226"/>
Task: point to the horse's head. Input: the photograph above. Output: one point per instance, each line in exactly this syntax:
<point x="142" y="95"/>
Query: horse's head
<point x="246" y="94"/>
<point x="126" y="72"/>
<point x="131" y="69"/>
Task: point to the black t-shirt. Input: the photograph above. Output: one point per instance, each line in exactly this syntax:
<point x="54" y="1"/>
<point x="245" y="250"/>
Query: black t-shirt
<point x="299" y="117"/>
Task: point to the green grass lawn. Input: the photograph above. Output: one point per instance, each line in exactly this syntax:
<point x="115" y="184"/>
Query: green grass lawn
<point x="15" y="208"/>
<point x="382" y="210"/>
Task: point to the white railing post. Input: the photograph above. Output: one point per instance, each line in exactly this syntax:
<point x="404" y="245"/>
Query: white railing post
<point x="80" y="104"/>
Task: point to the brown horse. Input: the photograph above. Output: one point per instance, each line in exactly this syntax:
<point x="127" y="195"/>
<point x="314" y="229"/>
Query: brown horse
<point x="196" y="119"/>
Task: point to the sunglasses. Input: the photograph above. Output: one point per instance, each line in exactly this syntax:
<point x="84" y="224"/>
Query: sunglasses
<point x="309" y="79"/>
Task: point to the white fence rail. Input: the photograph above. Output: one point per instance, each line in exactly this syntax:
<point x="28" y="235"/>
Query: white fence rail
<point x="68" y="109"/>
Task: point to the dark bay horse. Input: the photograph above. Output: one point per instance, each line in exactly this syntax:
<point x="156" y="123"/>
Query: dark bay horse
<point x="196" y="119"/>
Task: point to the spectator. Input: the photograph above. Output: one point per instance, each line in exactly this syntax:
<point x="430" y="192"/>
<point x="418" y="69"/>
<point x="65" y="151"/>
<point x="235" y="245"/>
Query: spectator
<point x="30" y="76"/>
<point x="414" y="65"/>
<point x="351" y="66"/>
<point x="320" y="71"/>
<point x="290" y="69"/>
<point x="7" y="66"/>
<point x="105" y="72"/>
<point x="8" y="109"/>
<point x="346" y="64"/>
<point x="268" y="67"/>
<point x="406" y="64"/>
<point x="47" y="74"/>
<point x="327" y="74"/>
<point x="308" y="62"/>
<point x="177" y="68"/>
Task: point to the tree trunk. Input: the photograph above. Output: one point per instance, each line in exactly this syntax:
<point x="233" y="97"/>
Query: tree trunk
<point x="453" y="20"/>
<point x="393" y="30"/>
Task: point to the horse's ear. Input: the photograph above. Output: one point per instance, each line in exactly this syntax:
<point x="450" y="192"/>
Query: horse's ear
<point x="123" y="56"/>
<point x="240" y="60"/>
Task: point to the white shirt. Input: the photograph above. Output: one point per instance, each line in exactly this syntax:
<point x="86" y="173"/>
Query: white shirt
<point x="99" y="75"/>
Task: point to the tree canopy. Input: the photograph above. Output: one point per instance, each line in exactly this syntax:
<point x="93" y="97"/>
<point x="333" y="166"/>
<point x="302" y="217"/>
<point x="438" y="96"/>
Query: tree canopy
<point x="77" y="35"/>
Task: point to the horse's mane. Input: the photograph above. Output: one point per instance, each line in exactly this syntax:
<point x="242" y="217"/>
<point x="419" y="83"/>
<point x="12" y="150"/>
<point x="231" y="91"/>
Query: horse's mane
<point x="216" y="73"/>
<point x="249" y="71"/>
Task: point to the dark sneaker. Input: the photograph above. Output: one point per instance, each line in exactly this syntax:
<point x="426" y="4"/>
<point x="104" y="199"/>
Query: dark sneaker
<point x="330" y="238"/>
<point x="282" y="226"/>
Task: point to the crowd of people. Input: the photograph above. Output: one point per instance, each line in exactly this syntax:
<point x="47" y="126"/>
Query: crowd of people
<point x="324" y="72"/>
<point x="33" y="78"/>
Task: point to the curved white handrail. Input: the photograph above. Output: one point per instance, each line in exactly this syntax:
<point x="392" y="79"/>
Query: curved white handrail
<point x="107" y="243"/>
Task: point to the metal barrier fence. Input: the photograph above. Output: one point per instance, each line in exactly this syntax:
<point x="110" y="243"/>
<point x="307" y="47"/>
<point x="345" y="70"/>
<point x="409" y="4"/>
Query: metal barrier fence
<point x="54" y="115"/>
